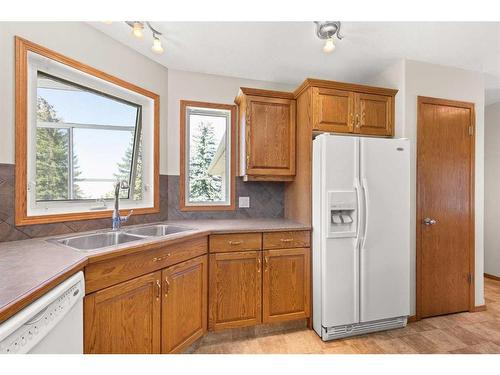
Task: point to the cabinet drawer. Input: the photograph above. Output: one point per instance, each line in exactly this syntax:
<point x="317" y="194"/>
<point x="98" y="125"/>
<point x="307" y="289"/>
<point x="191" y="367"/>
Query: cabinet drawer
<point x="283" y="240"/>
<point x="223" y="243"/>
<point x="109" y="272"/>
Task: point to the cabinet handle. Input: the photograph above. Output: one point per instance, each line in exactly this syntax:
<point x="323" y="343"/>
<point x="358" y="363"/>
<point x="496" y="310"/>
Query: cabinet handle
<point x="158" y="290"/>
<point x="352" y="119"/>
<point x="157" y="259"/>
<point x="286" y="239"/>
<point x="235" y="242"/>
<point x="266" y="264"/>
<point x="167" y="286"/>
<point x="357" y="120"/>
<point x="258" y="265"/>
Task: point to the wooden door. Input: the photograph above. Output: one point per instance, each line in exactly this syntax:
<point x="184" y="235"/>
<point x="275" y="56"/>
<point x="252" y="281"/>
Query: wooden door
<point x="373" y="114"/>
<point x="445" y="207"/>
<point x="235" y="289"/>
<point x="286" y="285"/>
<point x="333" y="110"/>
<point x="124" y="318"/>
<point x="270" y="136"/>
<point x="184" y="304"/>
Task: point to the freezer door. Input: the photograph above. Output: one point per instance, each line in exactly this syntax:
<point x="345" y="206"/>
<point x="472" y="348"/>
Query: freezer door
<point x="385" y="244"/>
<point x="337" y="164"/>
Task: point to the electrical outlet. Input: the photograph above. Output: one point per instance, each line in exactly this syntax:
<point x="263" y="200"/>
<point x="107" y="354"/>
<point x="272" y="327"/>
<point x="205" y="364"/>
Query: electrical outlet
<point x="244" y="202"/>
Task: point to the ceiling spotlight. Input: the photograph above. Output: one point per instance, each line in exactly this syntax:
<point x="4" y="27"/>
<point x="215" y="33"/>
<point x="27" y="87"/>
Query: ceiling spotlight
<point x="157" y="47"/>
<point x="328" y="30"/>
<point x="329" y="46"/>
<point x="138" y="29"/>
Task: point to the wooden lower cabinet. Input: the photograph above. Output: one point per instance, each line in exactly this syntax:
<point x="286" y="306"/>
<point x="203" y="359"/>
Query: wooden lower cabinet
<point x="184" y="304"/>
<point x="124" y="318"/>
<point x="161" y="312"/>
<point x="286" y="285"/>
<point x="235" y="289"/>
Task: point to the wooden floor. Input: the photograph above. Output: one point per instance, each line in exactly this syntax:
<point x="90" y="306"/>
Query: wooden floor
<point x="458" y="333"/>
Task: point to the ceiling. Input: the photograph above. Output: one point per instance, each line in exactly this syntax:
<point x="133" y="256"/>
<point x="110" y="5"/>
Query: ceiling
<point x="288" y="52"/>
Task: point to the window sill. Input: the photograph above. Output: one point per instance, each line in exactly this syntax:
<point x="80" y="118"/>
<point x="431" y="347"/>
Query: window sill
<point x="22" y="219"/>
<point x="230" y="207"/>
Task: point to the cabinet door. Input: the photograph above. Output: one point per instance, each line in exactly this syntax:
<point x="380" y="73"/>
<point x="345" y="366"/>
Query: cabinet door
<point x="235" y="289"/>
<point x="184" y="306"/>
<point x="286" y="285"/>
<point x="333" y="110"/>
<point x="124" y="318"/>
<point x="270" y="136"/>
<point x="374" y="114"/>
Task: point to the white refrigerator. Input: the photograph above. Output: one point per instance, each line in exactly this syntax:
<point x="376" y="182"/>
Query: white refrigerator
<point x="361" y="234"/>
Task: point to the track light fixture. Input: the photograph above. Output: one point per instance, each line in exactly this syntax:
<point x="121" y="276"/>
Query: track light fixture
<point x="328" y="30"/>
<point x="138" y="31"/>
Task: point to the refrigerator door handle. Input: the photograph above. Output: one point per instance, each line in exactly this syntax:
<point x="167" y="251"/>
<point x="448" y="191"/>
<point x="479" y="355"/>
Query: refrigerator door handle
<point x="365" y="210"/>
<point x="359" y="215"/>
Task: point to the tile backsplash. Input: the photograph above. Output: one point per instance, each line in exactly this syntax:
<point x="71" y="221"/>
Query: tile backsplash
<point x="266" y="201"/>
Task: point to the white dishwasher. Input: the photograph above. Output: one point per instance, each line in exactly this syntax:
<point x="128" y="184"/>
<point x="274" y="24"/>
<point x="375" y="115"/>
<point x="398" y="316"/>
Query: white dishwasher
<point x="53" y="324"/>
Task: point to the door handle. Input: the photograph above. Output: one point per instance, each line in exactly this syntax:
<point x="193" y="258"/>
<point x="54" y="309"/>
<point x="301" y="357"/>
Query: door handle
<point x="429" y="221"/>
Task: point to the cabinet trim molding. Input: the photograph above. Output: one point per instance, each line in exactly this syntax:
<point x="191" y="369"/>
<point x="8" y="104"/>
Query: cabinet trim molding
<point x="312" y="82"/>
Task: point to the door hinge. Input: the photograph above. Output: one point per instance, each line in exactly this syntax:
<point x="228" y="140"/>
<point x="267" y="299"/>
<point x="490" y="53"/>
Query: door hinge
<point x="471" y="130"/>
<point x="470" y="278"/>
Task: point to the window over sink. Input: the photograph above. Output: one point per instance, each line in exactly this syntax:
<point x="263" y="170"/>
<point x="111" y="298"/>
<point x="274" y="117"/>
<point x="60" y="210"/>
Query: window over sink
<point x="78" y="131"/>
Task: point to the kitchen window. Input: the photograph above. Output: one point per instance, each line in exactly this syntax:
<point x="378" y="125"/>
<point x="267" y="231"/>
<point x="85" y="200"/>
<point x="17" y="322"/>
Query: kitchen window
<point x="78" y="132"/>
<point x="207" y="156"/>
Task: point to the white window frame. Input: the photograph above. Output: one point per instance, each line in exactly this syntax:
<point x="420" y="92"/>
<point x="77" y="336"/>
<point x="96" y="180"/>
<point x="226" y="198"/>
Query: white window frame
<point x="46" y="65"/>
<point x="206" y="111"/>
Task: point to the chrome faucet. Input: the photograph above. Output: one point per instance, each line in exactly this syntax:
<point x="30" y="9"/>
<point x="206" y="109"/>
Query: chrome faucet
<point x="117" y="219"/>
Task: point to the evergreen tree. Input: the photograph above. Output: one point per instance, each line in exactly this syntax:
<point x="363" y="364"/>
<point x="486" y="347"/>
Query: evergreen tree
<point x="52" y="158"/>
<point x="203" y="186"/>
<point x="125" y="165"/>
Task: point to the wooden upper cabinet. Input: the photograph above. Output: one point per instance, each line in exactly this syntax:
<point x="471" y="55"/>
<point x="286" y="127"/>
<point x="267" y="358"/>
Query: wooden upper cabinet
<point x="125" y="318"/>
<point x="267" y="134"/>
<point x="235" y="289"/>
<point x="184" y="306"/>
<point x="374" y="114"/>
<point x="286" y="287"/>
<point x="339" y="107"/>
<point x="333" y="110"/>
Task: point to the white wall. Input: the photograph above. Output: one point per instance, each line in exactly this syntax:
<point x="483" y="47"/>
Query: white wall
<point x="492" y="189"/>
<point x="206" y="88"/>
<point x="393" y="77"/>
<point x="414" y="78"/>
<point x="83" y="43"/>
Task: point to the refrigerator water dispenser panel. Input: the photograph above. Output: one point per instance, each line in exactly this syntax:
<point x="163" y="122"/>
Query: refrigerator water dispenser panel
<point x="343" y="213"/>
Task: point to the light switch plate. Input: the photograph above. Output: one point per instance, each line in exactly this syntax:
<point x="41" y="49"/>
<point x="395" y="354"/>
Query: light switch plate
<point x="244" y="202"/>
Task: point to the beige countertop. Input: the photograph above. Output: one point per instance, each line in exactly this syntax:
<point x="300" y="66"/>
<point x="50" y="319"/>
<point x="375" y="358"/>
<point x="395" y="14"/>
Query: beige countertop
<point x="30" y="268"/>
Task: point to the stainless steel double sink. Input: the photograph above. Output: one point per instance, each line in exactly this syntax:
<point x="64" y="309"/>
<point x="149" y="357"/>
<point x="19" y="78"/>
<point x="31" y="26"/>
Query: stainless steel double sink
<point x="100" y="240"/>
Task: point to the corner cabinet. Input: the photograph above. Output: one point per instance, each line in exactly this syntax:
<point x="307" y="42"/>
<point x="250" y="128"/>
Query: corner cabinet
<point x="266" y="135"/>
<point x="163" y="311"/>
<point x="349" y="108"/>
